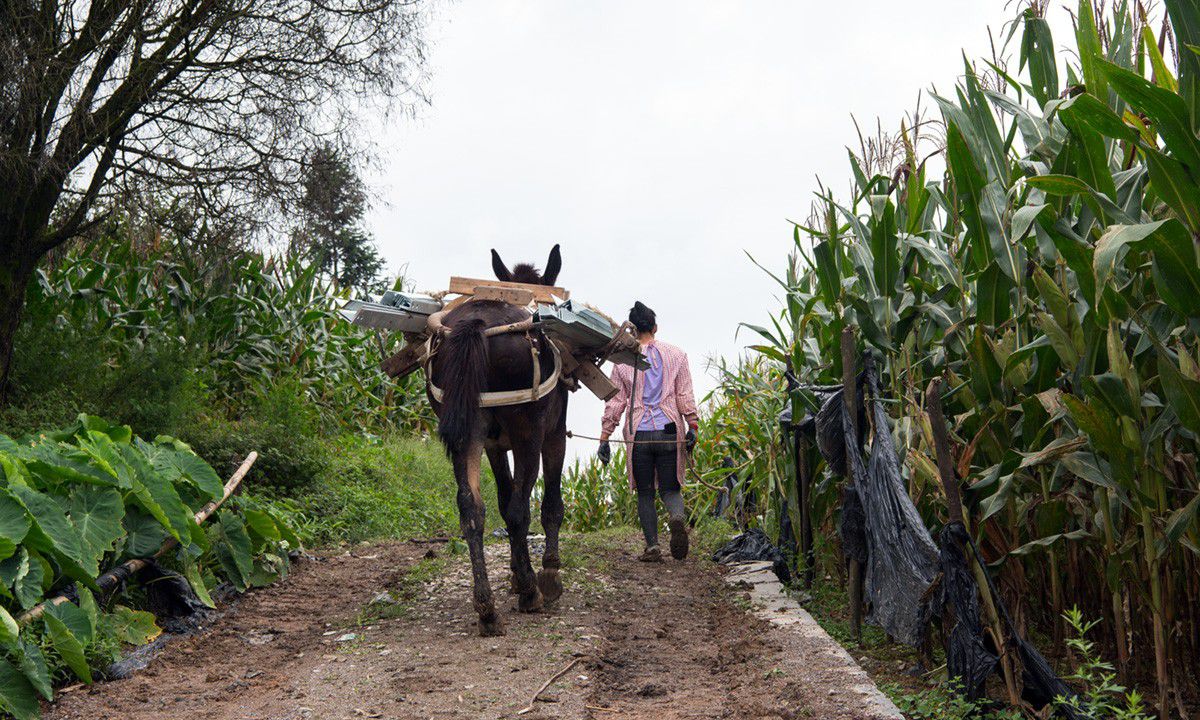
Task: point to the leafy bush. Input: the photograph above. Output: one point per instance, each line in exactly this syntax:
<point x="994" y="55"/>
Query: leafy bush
<point x="234" y="326"/>
<point x="1102" y="697"/>
<point x="281" y="425"/>
<point x="75" y="503"/>
<point x="62" y="371"/>
<point x="379" y="487"/>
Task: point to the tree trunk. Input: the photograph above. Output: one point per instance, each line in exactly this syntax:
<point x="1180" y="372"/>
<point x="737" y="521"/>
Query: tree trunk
<point x="14" y="279"/>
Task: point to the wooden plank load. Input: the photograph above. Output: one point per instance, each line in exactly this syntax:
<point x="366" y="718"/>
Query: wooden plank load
<point x="584" y="337"/>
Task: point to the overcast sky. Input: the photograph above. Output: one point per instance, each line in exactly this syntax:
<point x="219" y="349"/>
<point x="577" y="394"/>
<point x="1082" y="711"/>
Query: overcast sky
<point x="658" y="142"/>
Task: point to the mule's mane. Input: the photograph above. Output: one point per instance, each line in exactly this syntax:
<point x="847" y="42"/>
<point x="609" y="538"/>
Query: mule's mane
<point x="526" y="273"/>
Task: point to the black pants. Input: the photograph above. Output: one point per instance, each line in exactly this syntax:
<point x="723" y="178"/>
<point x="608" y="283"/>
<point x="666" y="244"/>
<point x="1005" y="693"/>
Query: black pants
<point x="659" y="457"/>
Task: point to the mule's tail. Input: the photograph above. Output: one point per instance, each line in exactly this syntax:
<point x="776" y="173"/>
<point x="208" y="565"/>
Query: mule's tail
<point x="465" y="367"/>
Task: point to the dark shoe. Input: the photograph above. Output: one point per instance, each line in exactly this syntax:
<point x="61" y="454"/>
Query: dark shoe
<point x="679" y="539"/>
<point x="652" y="554"/>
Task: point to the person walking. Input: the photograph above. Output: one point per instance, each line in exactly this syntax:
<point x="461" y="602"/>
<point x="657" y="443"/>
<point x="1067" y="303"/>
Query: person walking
<point x="661" y="418"/>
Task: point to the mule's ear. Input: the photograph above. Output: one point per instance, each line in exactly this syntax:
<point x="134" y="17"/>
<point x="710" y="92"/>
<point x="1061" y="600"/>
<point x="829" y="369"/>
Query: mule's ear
<point x="498" y="267"/>
<point x="553" y="265"/>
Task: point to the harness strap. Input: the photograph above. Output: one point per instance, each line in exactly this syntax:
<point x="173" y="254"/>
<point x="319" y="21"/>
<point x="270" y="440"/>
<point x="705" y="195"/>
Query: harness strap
<point x="539" y="389"/>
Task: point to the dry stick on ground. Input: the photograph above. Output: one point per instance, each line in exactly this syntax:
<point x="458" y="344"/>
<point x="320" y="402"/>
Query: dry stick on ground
<point x="130" y="567"/>
<point x="548" y="683"/>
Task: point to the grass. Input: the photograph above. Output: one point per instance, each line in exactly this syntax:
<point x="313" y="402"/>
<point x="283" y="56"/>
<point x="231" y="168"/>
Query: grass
<point x="378" y="488"/>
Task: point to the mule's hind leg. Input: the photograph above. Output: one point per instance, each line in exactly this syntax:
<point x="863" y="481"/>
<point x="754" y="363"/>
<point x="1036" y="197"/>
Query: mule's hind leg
<point x="554" y="452"/>
<point x="467" y="468"/>
<point x="516" y="516"/>
<point x="498" y="459"/>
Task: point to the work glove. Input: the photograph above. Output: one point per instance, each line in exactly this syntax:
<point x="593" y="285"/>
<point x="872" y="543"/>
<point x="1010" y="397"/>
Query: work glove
<point x="689" y="440"/>
<point x="604" y="453"/>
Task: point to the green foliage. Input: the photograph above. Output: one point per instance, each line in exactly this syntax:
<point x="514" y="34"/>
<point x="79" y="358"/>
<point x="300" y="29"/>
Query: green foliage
<point x="374" y="488"/>
<point x="1101" y="697"/>
<point x="945" y="702"/>
<point x="281" y="425"/>
<point x="123" y="324"/>
<point x="77" y="502"/>
<point x="1050" y="277"/>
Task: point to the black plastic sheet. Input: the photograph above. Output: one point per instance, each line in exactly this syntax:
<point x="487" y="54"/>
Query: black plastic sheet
<point x="754" y="545"/>
<point x="879" y="525"/>
<point x="968" y="657"/>
<point x="831" y="440"/>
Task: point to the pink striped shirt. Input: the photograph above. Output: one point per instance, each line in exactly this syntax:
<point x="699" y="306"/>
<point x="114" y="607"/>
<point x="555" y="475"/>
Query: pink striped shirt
<point x="677" y="401"/>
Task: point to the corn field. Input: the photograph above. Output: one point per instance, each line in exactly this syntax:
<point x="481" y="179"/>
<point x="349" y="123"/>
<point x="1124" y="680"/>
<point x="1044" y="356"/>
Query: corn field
<point x="1050" y="275"/>
<point x="256" y="320"/>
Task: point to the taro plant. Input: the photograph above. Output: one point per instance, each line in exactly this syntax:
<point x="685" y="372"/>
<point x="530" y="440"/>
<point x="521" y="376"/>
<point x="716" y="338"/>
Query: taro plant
<point x="77" y="502"/>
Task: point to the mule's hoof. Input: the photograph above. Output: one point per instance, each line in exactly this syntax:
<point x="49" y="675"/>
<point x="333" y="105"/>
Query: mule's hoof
<point x="491" y="627"/>
<point x="550" y="584"/>
<point x="531" y="602"/>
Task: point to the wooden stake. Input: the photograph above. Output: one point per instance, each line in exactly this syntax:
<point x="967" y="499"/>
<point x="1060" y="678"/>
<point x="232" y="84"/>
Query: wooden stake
<point x="850" y="402"/>
<point x="806" y="529"/>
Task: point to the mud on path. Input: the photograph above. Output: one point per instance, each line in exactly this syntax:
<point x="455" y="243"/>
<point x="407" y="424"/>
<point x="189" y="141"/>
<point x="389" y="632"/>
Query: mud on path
<point x="652" y="641"/>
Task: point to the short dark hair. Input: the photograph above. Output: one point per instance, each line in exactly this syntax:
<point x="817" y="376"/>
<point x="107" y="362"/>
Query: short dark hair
<point x="642" y="317"/>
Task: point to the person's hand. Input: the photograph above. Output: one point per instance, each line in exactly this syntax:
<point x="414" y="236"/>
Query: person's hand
<point x="690" y="439"/>
<point x="604" y="453"/>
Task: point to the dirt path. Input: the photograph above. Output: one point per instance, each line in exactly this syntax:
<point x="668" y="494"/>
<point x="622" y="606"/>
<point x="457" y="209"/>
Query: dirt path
<point x="653" y="641"/>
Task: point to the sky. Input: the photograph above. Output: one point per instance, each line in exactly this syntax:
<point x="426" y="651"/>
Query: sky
<point x="660" y="143"/>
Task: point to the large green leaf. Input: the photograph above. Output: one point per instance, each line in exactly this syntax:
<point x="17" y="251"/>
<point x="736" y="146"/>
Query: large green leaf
<point x="1173" y="184"/>
<point x="1176" y="274"/>
<point x="158" y="496"/>
<point x="135" y="627"/>
<point x="1183" y="393"/>
<point x="33" y="665"/>
<point x="14" y="524"/>
<point x="1037" y="52"/>
<point x="233" y="549"/>
<point x="68" y="647"/>
<point x="1185" y="21"/>
<point x="1166" y="110"/>
<point x="97" y="514"/>
<point x="992" y="296"/>
<point x="144" y="534"/>
<point x="17" y="696"/>
<point x="9" y="630"/>
<point x="175" y="461"/>
<point x="52" y="531"/>
<point x="1087" y="38"/>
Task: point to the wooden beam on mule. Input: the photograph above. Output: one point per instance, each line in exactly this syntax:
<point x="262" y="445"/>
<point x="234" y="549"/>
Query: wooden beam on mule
<point x="541" y="293"/>
<point x="408" y="360"/>
<point x="512" y="296"/>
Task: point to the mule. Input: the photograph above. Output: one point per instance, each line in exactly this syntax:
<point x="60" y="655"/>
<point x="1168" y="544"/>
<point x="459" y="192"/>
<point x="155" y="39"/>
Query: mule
<point x="469" y="363"/>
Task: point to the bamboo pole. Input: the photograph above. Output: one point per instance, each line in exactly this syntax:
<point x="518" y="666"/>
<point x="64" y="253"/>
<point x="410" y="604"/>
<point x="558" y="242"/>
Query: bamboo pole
<point x="131" y="567"/>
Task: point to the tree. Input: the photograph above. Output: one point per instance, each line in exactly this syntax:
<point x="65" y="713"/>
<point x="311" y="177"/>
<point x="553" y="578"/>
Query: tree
<point x="218" y="99"/>
<point x="332" y="210"/>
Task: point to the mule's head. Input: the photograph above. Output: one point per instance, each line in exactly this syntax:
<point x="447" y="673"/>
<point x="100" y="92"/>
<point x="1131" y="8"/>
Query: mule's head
<point x="527" y="273"/>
